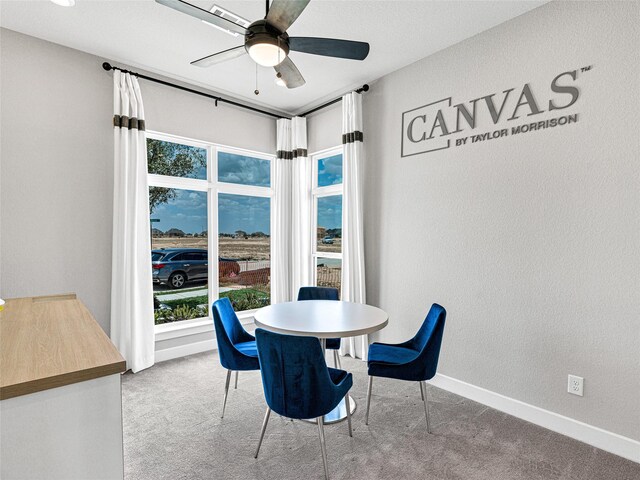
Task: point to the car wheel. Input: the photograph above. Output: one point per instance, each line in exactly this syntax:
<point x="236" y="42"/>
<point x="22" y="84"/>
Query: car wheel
<point x="177" y="280"/>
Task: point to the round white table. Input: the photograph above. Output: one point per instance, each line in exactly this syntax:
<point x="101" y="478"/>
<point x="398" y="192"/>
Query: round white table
<point x="323" y="319"/>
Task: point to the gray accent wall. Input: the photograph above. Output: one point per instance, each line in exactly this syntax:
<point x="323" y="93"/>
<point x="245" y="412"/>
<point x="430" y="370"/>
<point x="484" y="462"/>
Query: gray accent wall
<point x="531" y="242"/>
<point x="324" y="129"/>
<point x="57" y="173"/>
<point x="56" y="191"/>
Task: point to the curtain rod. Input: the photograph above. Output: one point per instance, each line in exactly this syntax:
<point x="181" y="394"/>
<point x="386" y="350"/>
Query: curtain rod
<point x="107" y="66"/>
<point x="363" y="88"/>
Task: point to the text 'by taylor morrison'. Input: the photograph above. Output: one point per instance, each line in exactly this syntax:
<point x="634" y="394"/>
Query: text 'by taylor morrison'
<point x="527" y="127"/>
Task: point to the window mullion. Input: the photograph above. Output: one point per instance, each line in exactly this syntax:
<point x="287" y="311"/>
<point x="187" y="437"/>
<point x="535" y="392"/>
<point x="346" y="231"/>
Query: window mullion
<point x="212" y="235"/>
<point x="328" y="191"/>
<point x="236" y="189"/>
<point x="177" y="182"/>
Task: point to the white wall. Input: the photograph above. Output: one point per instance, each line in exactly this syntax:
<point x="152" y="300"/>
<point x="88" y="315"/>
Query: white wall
<point x="531" y="242"/>
<point x="324" y="128"/>
<point x="181" y="113"/>
<point x="57" y="164"/>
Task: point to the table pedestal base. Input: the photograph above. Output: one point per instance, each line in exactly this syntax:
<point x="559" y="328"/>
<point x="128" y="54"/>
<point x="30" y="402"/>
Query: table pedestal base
<point x="338" y="414"/>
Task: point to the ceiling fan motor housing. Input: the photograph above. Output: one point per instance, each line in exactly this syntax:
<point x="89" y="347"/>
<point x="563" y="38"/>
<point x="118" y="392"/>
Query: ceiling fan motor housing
<point x="261" y="32"/>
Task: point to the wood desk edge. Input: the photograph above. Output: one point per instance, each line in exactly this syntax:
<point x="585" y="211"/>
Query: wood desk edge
<point x="65" y="378"/>
<point x="40" y="384"/>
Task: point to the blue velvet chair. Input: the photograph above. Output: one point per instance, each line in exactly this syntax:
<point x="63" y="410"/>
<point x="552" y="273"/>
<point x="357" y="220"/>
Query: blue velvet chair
<point x="297" y="382"/>
<point x="323" y="293"/>
<point x="415" y="360"/>
<point x="236" y="348"/>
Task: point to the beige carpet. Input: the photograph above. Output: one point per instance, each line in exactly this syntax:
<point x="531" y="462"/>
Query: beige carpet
<point x="173" y="431"/>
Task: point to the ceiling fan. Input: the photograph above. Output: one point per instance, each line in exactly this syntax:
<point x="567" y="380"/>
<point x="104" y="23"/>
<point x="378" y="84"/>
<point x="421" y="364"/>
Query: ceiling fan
<point x="267" y="42"/>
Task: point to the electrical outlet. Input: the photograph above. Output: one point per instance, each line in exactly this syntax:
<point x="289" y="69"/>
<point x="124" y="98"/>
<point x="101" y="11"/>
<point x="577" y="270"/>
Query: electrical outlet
<point x="575" y="385"/>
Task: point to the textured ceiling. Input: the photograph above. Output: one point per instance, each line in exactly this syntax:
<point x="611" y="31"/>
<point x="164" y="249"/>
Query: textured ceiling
<point x="147" y="35"/>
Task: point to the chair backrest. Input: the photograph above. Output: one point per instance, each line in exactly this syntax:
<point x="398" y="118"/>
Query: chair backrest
<point x="429" y="339"/>
<point x="229" y="331"/>
<point x="294" y="373"/>
<point x="318" y="293"/>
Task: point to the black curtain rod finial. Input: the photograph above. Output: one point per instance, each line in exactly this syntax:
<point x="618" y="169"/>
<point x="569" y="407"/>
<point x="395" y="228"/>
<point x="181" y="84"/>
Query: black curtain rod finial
<point x="363" y="88"/>
<point x="107" y="66"/>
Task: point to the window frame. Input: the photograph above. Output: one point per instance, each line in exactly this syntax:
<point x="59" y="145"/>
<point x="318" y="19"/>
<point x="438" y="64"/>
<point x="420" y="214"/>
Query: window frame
<point x="212" y="187"/>
<point x="320" y="192"/>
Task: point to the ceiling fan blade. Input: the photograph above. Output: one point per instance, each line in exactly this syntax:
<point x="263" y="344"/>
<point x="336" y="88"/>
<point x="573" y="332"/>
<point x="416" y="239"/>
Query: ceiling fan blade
<point x="290" y="74"/>
<point x="220" y="57"/>
<point x="282" y="13"/>
<point x="330" y="47"/>
<point x="202" y="14"/>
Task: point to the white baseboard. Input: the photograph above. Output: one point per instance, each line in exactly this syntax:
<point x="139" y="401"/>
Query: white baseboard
<point x="597" y="437"/>
<point x="184" y="350"/>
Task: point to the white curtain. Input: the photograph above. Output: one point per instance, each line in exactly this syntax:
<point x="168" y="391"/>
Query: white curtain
<point x="353" y="279"/>
<point x="302" y="274"/>
<point x="281" y="229"/>
<point x="132" y="325"/>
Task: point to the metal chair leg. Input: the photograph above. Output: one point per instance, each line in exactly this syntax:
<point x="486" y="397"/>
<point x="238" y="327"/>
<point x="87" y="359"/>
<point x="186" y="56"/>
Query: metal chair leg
<point x="339" y="361"/>
<point x="347" y="404"/>
<point x="421" y="393"/>
<point x="366" y="417"/>
<point x="320" y="422"/>
<point x="336" y="362"/>
<point x="264" y="429"/>
<point x="226" y="392"/>
<point x="423" y="390"/>
<point x="236" y="385"/>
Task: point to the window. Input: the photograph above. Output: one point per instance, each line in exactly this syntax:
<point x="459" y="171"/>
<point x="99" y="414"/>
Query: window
<point x="176" y="159"/>
<point x="330" y="170"/>
<point x="195" y="188"/>
<point x="244" y="229"/>
<point x="327" y="208"/>
<point x="240" y="169"/>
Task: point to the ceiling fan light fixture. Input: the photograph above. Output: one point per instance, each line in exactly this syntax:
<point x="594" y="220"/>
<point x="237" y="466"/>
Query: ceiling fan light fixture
<point x="64" y="3"/>
<point x="266" y="54"/>
<point x="264" y="45"/>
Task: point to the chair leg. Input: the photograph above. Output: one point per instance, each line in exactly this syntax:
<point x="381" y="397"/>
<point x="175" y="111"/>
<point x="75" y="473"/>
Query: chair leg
<point x="236" y="385"/>
<point x="264" y="429"/>
<point x="336" y="361"/>
<point x="339" y="361"/>
<point x="423" y="390"/>
<point x="320" y="422"/>
<point x="226" y="392"/>
<point x="366" y="417"/>
<point x="347" y="404"/>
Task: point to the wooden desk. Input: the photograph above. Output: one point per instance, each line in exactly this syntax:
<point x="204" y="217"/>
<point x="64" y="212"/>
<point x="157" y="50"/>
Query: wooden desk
<point x="61" y="408"/>
<point x="49" y="342"/>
